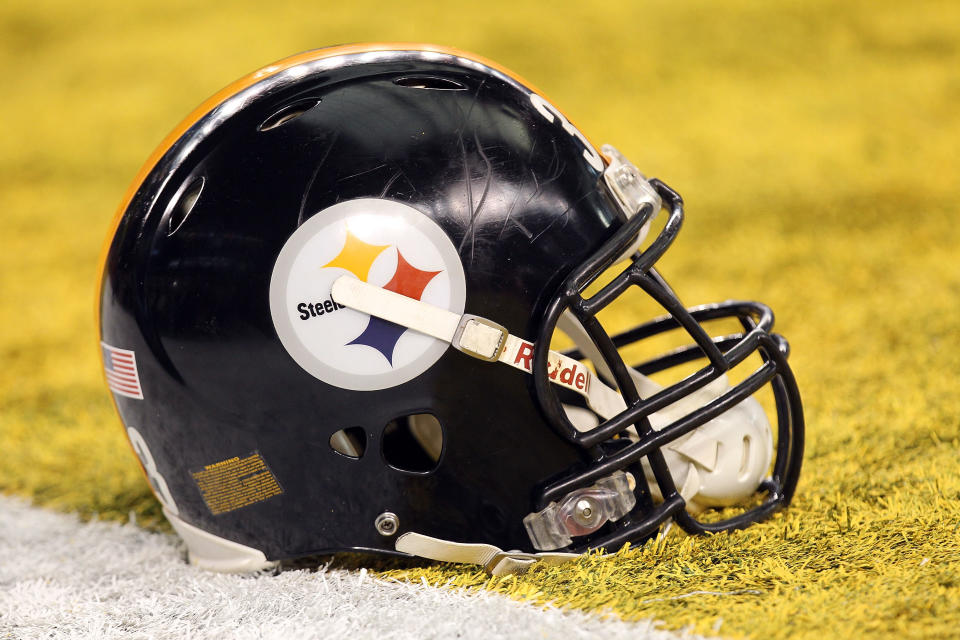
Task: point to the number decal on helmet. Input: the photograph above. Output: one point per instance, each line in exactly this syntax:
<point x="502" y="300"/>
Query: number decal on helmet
<point x="550" y="112"/>
<point x="150" y="467"/>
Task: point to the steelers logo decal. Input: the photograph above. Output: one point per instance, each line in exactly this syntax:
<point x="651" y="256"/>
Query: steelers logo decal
<point x="385" y="243"/>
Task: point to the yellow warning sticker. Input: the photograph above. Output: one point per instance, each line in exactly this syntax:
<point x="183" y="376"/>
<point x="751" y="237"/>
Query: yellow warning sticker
<point x="236" y="482"/>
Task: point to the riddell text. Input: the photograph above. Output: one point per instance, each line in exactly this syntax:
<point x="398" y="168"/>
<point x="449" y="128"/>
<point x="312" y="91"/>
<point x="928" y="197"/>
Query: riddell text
<point x="568" y="376"/>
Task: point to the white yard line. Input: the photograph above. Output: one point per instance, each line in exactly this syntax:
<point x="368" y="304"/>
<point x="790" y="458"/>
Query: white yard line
<point x="61" y="578"/>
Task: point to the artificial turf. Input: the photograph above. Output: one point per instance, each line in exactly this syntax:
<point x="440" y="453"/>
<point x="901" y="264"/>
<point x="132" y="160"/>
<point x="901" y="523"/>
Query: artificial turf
<point x="816" y="146"/>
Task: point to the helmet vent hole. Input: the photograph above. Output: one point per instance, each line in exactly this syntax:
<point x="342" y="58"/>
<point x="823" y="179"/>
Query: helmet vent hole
<point x="288" y="113"/>
<point x="183" y="204"/>
<point x="350" y="442"/>
<point x="429" y="82"/>
<point x="413" y="443"/>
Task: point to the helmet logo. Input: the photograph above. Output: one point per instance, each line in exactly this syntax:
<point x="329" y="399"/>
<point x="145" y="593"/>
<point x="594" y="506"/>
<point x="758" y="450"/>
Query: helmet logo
<point x="383" y="242"/>
<point x="358" y="257"/>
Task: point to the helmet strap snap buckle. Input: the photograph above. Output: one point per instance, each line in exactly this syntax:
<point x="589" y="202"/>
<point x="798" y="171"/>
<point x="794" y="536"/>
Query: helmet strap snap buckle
<point x="480" y="338"/>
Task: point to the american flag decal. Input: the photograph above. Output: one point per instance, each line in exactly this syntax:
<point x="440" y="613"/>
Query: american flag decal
<point x="120" y="366"/>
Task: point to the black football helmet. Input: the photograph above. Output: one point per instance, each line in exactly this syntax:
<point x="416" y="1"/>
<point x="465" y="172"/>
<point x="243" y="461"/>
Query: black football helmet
<point x="312" y="290"/>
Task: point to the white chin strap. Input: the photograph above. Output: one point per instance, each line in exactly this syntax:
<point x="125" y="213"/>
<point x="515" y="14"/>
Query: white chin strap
<point x="719" y="463"/>
<point x="475" y="336"/>
<point x="494" y="560"/>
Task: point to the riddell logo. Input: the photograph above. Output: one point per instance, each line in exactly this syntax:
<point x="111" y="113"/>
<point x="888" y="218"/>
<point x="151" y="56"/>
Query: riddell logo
<point x="385" y="243"/>
<point x="570" y="374"/>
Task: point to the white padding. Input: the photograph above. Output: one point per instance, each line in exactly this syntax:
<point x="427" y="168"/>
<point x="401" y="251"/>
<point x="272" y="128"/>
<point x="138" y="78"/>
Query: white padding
<point x="725" y="460"/>
<point x="213" y="553"/>
<point x="582" y="419"/>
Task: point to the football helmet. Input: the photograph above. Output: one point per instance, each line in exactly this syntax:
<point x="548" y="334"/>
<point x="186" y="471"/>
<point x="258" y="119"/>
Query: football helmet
<point x="359" y="301"/>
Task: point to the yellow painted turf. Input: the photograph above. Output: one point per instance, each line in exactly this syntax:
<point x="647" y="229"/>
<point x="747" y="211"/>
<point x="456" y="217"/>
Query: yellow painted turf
<point x="816" y="146"/>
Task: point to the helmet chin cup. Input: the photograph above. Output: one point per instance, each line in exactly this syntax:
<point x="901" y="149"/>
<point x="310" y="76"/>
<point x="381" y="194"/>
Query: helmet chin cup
<point x="722" y="462"/>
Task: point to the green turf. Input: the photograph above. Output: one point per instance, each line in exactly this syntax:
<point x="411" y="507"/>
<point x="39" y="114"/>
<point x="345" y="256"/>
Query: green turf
<point x="817" y="147"/>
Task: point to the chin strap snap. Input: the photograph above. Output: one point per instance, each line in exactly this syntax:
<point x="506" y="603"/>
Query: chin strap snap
<point x="495" y="561"/>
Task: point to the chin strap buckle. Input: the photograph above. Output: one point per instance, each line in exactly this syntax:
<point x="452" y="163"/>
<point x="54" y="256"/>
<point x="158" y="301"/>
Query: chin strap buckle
<point x="480" y="338"/>
<point x="507" y="562"/>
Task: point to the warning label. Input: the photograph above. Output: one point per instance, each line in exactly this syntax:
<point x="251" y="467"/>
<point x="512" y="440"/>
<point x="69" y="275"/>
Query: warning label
<point x="235" y="483"/>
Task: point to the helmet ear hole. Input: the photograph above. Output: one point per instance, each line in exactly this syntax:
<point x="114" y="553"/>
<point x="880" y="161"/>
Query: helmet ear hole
<point x="350" y="442"/>
<point x="288" y="113"/>
<point x="413" y="443"/>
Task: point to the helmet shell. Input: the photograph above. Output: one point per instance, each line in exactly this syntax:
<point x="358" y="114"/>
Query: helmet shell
<point x="463" y="143"/>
